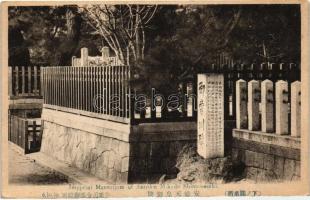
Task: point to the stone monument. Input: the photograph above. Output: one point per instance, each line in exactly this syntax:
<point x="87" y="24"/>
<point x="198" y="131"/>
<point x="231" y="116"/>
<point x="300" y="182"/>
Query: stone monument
<point x="210" y="139"/>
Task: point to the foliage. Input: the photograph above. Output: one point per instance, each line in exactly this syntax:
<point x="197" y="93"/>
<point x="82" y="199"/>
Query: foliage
<point x="42" y="29"/>
<point x="122" y="27"/>
<point x="198" y="34"/>
<point x="163" y="44"/>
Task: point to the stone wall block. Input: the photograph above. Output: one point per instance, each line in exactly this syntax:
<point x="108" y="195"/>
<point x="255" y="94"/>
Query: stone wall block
<point x="118" y="164"/>
<point x="112" y="155"/>
<point x="279" y="167"/>
<point x="289" y="169"/>
<point x="268" y="162"/>
<point x="112" y="175"/>
<point x="124" y="149"/>
<point x="144" y="150"/>
<point x="174" y="148"/>
<point x="125" y="164"/>
<point x="154" y="165"/>
<point x="250" y="159"/>
<point x="159" y="149"/>
<point x="251" y="173"/>
<point x="297" y="168"/>
<point x="115" y="145"/>
<point x="105" y="155"/>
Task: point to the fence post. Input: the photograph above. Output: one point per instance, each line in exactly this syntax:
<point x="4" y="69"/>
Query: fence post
<point x="241" y="104"/>
<point x="10" y="82"/>
<point x="253" y="105"/>
<point x="29" y="80"/>
<point x="84" y="57"/>
<point x="16" y="81"/>
<point x="281" y="107"/>
<point x="35" y="81"/>
<point x="295" y="108"/>
<point x="267" y="106"/>
<point x="23" y="80"/>
<point x="25" y="136"/>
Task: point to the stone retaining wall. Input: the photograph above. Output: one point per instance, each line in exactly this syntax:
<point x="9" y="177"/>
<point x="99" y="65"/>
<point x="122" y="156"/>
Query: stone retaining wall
<point x="115" y="152"/>
<point x="267" y="157"/>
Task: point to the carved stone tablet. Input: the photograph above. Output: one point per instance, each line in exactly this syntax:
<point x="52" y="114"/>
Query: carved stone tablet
<point x="210" y="122"/>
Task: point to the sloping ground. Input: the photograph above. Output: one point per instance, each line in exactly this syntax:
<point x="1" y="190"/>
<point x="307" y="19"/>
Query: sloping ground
<point x="195" y="169"/>
<point x="25" y="171"/>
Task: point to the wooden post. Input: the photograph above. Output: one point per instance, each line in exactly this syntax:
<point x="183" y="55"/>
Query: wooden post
<point x="23" y="80"/>
<point x="10" y="82"/>
<point x="253" y="105"/>
<point x="267" y="106"/>
<point x="295" y="109"/>
<point x="241" y="104"/>
<point x="25" y="136"/>
<point x="29" y="80"/>
<point x="281" y="107"/>
<point x="78" y="88"/>
<point x="42" y="81"/>
<point x="16" y="81"/>
<point x="84" y="57"/>
<point x="35" y="80"/>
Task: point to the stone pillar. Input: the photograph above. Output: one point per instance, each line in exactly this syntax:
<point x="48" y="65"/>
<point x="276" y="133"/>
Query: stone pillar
<point x="253" y="105"/>
<point x="295" y="108"/>
<point x="281" y="107"/>
<point x="84" y="57"/>
<point x="241" y="104"/>
<point x="105" y="52"/>
<point x="267" y="106"/>
<point x="210" y="122"/>
<point x="73" y="61"/>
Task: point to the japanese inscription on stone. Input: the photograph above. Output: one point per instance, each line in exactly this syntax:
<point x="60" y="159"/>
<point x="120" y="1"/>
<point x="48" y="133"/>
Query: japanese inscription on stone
<point x="210" y="115"/>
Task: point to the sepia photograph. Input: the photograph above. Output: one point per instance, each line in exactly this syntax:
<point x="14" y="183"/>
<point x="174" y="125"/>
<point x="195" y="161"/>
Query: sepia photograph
<point x="109" y="99"/>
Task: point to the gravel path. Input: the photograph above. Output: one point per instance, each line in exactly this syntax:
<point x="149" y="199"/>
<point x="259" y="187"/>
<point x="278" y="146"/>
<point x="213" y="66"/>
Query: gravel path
<point x="24" y="171"/>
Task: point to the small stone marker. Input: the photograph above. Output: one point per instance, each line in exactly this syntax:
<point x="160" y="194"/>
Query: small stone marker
<point x="281" y="107"/>
<point x="241" y="104"/>
<point x="105" y="52"/>
<point x="295" y="108"/>
<point x="267" y="106"/>
<point x="73" y="61"/>
<point x="253" y="105"/>
<point x="84" y="57"/>
<point x="210" y="140"/>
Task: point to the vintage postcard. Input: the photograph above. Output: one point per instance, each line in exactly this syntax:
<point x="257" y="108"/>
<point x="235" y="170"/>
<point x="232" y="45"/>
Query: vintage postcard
<point x="154" y="99"/>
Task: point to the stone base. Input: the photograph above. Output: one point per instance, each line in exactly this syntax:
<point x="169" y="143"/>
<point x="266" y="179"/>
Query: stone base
<point x="115" y="152"/>
<point x="267" y="157"/>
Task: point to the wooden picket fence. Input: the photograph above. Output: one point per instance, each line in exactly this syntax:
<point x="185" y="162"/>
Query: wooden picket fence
<point x="24" y="82"/>
<point x="26" y="133"/>
<point x="260" y="107"/>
